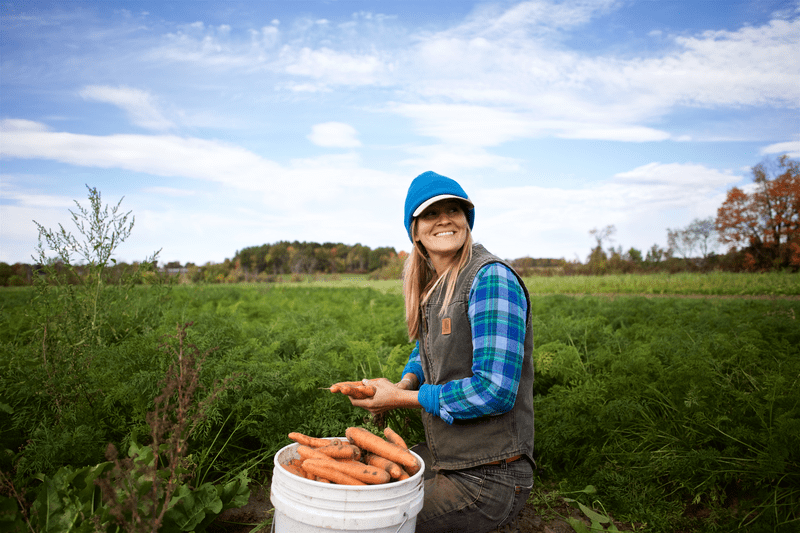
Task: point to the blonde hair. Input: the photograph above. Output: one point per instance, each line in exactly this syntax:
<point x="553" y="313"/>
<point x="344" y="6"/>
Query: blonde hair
<point x="420" y="280"/>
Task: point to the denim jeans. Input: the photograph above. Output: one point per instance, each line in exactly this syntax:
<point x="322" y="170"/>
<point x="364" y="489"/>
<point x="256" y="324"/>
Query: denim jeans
<point x="472" y="500"/>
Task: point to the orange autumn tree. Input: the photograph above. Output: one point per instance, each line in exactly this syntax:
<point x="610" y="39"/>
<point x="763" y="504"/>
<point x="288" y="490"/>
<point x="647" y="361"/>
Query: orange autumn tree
<point x="765" y="222"/>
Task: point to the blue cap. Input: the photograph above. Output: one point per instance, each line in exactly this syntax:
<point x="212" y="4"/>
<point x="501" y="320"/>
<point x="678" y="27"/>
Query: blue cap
<point x="429" y="188"/>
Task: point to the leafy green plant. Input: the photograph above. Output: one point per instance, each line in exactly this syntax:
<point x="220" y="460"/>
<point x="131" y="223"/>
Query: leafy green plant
<point x="76" y="315"/>
<point x="683" y="404"/>
<point x="681" y="412"/>
<point x="147" y="490"/>
<point x="77" y="303"/>
<point x="598" y="521"/>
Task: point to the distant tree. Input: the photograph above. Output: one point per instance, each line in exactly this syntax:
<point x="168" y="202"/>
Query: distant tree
<point x="634" y="255"/>
<point x="655" y="254"/>
<point x="698" y="237"/>
<point x="766" y="222"/>
<point x="597" y="258"/>
<point x="603" y="235"/>
<point x="358" y="258"/>
<point x="6" y="271"/>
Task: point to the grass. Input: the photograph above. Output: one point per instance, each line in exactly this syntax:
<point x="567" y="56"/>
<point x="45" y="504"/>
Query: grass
<point x="712" y="283"/>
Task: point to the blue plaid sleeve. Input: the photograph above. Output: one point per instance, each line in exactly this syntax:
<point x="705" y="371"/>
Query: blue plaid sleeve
<point x="414" y="365"/>
<point x="497" y="314"/>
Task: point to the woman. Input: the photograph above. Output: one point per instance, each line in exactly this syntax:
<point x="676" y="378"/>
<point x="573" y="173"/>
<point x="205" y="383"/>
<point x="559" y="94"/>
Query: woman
<point x="471" y="370"/>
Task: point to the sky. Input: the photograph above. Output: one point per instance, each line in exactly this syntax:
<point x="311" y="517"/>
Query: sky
<point x="224" y="125"/>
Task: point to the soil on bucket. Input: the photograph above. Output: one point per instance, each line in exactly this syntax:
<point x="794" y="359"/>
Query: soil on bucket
<point x="256" y="516"/>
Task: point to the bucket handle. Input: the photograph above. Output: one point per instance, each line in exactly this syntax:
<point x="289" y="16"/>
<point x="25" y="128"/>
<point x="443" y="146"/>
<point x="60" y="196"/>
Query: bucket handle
<point x="405" y="519"/>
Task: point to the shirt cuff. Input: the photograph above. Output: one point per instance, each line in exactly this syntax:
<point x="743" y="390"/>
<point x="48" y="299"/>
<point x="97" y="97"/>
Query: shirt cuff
<point x="416" y="369"/>
<point x="429" y="400"/>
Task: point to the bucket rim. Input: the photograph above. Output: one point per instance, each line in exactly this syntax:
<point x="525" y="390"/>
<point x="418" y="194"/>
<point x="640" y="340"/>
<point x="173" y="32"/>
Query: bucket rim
<point x="415" y="479"/>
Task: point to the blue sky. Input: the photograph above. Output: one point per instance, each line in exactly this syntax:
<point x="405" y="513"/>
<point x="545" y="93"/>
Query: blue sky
<point x="233" y="124"/>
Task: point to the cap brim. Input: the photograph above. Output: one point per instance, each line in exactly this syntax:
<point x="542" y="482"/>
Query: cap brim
<point x="430" y="201"/>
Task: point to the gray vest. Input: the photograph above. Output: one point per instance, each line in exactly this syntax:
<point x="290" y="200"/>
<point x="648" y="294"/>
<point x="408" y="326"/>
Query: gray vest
<point x="446" y="356"/>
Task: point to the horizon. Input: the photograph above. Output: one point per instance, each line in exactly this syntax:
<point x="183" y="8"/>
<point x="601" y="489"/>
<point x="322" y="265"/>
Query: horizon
<point x="226" y="126"/>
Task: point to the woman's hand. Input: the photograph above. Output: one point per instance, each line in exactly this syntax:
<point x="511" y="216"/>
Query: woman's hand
<point x="388" y="396"/>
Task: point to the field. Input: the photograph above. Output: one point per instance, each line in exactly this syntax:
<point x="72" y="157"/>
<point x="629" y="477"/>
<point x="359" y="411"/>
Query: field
<point x="713" y="283"/>
<point x="682" y="414"/>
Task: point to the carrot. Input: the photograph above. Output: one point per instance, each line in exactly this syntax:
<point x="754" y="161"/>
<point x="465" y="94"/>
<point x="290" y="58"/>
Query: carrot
<point x="338" y="452"/>
<point x="373" y="443"/>
<point x="323" y="469"/>
<point x="294" y="470"/>
<point x="307" y="452"/>
<point x="354" y="389"/>
<point x="381" y="462"/>
<point x="359" y="393"/>
<point x="337" y="387"/>
<point x="363" y="473"/>
<point x="411" y="470"/>
<point x="356" y="452"/>
<point x="313" y="442"/>
<point x="392" y="436"/>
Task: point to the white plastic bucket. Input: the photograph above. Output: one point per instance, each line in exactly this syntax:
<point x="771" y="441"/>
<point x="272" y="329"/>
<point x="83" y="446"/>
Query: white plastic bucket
<point x="306" y="506"/>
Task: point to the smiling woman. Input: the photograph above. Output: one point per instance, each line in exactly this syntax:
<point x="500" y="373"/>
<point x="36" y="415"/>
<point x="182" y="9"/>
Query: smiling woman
<point x="442" y="230"/>
<point x="470" y="315"/>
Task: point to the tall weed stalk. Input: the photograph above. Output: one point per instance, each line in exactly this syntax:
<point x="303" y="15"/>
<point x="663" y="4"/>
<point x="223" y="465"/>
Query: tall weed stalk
<point x="78" y="311"/>
<point x="176" y="414"/>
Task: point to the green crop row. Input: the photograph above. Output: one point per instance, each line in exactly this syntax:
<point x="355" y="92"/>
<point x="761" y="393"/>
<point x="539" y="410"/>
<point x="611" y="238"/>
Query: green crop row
<point x="683" y="283"/>
<point x="672" y="408"/>
<point x="711" y="283"/>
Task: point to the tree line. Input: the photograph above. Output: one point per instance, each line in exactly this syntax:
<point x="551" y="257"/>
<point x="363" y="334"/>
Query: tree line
<point x="759" y="225"/>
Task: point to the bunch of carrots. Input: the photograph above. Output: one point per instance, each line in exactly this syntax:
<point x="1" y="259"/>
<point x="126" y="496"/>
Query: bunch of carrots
<point x="363" y="458"/>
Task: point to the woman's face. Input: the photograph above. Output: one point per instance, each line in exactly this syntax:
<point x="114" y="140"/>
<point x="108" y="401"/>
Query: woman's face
<point x="442" y="228"/>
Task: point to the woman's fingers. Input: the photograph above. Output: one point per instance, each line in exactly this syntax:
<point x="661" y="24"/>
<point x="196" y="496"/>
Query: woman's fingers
<point x="384" y="399"/>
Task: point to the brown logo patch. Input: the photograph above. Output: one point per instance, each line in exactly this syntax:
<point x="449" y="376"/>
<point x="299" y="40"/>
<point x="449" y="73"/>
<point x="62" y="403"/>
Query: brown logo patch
<point x="445" y="326"/>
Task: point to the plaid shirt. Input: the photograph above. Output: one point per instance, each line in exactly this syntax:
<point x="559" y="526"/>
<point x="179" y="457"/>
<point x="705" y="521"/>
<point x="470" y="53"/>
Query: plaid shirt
<point x="497" y="313"/>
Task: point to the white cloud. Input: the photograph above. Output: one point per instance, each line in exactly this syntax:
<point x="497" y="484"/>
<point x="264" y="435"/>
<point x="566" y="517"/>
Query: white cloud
<point x="512" y="60"/>
<point x="138" y="104"/>
<point x="532" y="17"/>
<point x="305" y="180"/>
<point x="790" y="148"/>
<point x="751" y="66"/>
<point x="267" y="38"/>
<point x="169" y="191"/>
<point x="207" y="46"/>
<point x="12" y="125"/>
<point x="466" y="125"/>
<point x="334" y="135"/>
<point x="333" y="67"/>
<point x="534" y="86"/>
<point x="30" y="200"/>
<point x="451" y="159"/>
<point x="611" y="132"/>
<point x="634" y="201"/>
<point x="473" y="125"/>
<point x="678" y="175"/>
<point x="161" y="155"/>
